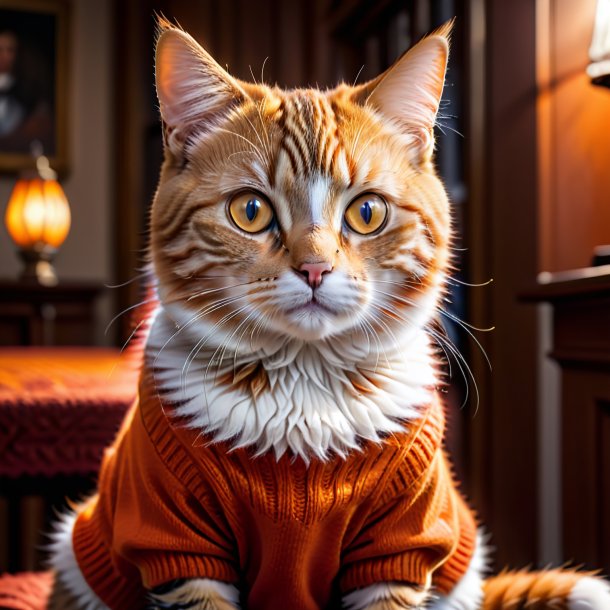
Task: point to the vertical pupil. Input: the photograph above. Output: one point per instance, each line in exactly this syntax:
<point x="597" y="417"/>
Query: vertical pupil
<point x="252" y="208"/>
<point x="366" y="211"/>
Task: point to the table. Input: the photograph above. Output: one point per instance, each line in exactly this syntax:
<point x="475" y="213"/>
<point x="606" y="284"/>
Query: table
<point x="59" y="408"/>
<point x="31" y="314"/>
<point x="581" y="346"/>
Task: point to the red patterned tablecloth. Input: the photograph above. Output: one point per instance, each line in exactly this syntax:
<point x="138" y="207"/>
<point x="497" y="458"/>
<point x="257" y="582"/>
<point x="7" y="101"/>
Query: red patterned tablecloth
<point x="26" y="591"/>
<point x="59" y="408"/>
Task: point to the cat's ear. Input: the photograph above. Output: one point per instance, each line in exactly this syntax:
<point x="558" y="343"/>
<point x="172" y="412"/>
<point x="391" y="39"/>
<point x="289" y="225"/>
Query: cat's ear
<point x="194" y="91"/>
<point x="409" y="92"/>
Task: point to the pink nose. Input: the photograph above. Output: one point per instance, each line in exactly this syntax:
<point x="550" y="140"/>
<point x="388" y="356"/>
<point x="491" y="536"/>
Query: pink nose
<point x="314" y="272"/>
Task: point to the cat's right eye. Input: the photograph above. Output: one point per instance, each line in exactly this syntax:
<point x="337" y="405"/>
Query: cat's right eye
<point x="251" y="212"/>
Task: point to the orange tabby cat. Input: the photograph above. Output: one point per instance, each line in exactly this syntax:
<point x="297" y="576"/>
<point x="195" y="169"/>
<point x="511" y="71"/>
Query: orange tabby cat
<point x="286" y="451"/>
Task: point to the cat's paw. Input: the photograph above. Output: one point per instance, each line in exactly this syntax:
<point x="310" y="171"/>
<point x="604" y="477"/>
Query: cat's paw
<point x="387" y="596"/>
<point x="196" y="594"/>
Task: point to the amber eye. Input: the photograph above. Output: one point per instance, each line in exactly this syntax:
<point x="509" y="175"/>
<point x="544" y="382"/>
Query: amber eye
<point x="366" y="213"/>
<point x="251" y="212"/>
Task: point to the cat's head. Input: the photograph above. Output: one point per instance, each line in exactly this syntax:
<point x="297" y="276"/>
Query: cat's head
<point x="301" y="213"/>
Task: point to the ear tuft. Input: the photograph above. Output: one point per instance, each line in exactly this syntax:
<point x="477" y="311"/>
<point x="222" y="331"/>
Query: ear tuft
<point x="163" y="23"/>
<point x="445" y="30"/>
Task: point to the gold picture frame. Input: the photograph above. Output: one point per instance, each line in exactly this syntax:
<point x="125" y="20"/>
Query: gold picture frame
<point x="34" y="56"/>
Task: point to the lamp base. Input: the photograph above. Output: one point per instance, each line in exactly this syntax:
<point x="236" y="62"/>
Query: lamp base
<point x="38" y="266"/>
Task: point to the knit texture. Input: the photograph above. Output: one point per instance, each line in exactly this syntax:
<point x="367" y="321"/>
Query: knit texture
<point x="172" y="504"/>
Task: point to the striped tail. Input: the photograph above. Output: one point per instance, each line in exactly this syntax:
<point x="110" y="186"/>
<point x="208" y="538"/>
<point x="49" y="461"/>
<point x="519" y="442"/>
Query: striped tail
<point x="546" y="590"/>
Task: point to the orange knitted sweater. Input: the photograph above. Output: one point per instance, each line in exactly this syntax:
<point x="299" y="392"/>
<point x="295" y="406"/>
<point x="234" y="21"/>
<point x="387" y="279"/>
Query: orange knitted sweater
<point x="174" y="505"/>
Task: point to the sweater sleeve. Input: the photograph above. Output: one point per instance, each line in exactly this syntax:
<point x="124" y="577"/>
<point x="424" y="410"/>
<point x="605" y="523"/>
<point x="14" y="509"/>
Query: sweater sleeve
<point x="145" y="525"/>
<point x="408" y="534"/>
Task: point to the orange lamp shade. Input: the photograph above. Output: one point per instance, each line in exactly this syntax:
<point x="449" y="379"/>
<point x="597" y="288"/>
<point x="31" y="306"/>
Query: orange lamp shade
<point x="38" y="214"/>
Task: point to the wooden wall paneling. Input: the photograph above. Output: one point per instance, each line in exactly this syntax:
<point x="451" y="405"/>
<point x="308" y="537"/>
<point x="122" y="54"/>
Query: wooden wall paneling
<point x="420" y="18"/>
<point x="211" y="24"/>
<point x="476" y="240"/>
<point x="227" y="52"/>
<point x="502" y="243"/>
<point x="320" y="46"/>
<point x="32" y="513"/>
<point x="586" y="467"/>
<point x="579" y="456"/>
<point x="545" y="142"/>
<point x="255" y="39"/>
<point x="603" y="483"/>
<point x="5" y="534"/>
<point x="293" y="48"/>
<point x="133" y="54"/>
<point x="241" y="34"/>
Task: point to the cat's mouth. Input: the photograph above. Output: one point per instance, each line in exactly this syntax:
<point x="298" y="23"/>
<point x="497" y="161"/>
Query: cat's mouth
<point x="312" y="306"/>
<point x="311" y="320"/>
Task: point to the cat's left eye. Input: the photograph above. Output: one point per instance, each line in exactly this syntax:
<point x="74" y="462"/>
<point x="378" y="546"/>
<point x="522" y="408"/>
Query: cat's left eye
<point x="366" y="214"/>
<point x="251" y="212"/>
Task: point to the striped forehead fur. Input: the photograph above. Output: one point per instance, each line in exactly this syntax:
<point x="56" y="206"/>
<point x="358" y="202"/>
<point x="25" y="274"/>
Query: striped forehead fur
<point x="233" y="301"/>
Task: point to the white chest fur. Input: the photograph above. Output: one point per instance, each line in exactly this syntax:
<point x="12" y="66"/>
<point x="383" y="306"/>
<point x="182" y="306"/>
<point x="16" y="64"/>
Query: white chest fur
<point x="319" y="397"/>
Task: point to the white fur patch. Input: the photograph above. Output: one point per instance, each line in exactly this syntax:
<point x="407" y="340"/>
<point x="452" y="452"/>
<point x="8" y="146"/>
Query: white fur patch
<point x="363" y="598"/>
<point x="467" y="594"/>
<point x="590" y="593"/>
<point x="312" y="407"/>
<point x="200" y="590"/>
<point x="319" y="189"/>
<point x="63" y="562"/>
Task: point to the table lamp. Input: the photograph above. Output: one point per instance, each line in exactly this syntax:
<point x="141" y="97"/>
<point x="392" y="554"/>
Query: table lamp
<point x="38" y="220"/>
<point x="599" y="68"/>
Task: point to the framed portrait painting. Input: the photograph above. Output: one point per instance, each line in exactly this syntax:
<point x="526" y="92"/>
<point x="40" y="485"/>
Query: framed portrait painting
<point x="33" y="83"/>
